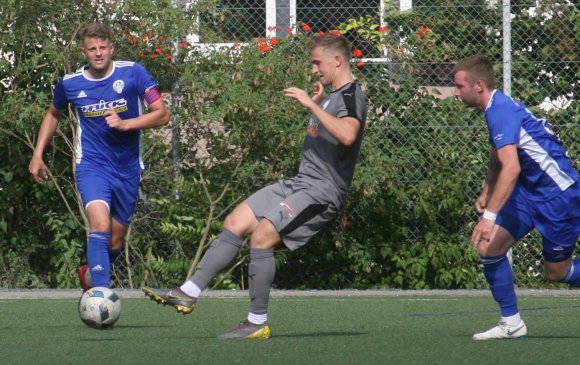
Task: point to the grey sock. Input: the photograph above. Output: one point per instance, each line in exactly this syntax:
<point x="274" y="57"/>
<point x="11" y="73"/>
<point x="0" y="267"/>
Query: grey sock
<point x="221" y="252"/>
<point x="261" y="274"/>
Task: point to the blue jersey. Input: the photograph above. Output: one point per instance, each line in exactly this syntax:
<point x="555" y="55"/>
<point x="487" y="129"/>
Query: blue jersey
<point x="125" y="89"/>
<point x="546" y="170"/>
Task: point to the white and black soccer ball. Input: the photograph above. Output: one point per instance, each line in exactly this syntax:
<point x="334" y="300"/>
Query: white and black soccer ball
<point x="99" y="307"/>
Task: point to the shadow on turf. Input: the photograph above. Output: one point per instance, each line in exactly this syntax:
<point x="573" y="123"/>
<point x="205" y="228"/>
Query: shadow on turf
<point x="321" y="334"/>
<point x="476" y="313"/>
<point x="294" y="335"/>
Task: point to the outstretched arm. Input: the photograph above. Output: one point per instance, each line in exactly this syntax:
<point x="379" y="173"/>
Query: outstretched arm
<point x="37" y="167"/>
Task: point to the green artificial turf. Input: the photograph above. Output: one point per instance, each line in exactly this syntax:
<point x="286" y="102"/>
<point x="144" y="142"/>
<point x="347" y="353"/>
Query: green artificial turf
<point x="306" y="330"/>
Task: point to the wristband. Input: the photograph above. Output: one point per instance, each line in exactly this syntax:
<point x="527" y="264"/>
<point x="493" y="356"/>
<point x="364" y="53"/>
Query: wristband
<point x="489" y="215"/>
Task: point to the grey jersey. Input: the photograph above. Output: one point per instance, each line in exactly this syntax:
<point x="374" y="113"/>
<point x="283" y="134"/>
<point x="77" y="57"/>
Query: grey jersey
<point x="326" y="164"/>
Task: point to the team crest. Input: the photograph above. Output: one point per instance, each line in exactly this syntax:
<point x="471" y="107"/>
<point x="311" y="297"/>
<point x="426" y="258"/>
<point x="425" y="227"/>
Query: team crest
<point x="118" y="86"/>
<point x="312" y="128"/>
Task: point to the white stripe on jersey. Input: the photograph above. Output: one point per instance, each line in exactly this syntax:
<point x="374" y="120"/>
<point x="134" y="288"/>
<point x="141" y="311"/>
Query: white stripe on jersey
<point x="141" y="142"/>
<point x="124" y="63"/>
<point x="78" y="141"/>
<point x="544" y="160"/>
<point x="77" y="73"/>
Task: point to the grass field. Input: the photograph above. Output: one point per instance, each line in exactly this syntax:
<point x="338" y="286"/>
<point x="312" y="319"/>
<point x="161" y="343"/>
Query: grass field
<point x="306" y="330"/>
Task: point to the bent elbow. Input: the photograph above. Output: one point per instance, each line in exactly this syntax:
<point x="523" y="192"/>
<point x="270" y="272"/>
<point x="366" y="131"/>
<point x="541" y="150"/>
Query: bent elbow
<point x="348" y="141"/>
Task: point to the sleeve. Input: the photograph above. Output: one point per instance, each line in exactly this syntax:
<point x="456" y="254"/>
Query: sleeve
<point x="147" y="85"/>
<point x="59" y="100"/>
<point x="503" y="126"/>
<point x="350" y="106"/>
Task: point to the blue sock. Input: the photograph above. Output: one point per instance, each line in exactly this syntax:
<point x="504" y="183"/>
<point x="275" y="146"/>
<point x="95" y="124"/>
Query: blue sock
<point x="499" y="275"/>
<point x="573" y="275"/>
<point x="98" y="258"/>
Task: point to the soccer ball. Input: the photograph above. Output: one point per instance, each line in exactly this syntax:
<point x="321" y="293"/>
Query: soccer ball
<point x="99" y="307"/>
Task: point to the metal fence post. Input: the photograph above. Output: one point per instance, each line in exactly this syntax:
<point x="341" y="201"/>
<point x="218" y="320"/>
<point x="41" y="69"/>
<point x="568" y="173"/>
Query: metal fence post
<point x="507" y="45"/>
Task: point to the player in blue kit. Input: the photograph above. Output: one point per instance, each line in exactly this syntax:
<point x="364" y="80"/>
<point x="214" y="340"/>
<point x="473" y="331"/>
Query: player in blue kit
<point x="530" y="183"/>
<point x="110" y="100"/>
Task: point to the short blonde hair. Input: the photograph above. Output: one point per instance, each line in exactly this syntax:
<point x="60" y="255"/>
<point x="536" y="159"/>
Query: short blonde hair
<point x="330" y="41"/>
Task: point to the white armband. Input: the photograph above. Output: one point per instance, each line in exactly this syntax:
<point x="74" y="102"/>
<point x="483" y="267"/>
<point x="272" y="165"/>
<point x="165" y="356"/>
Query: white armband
<point x="489" y="215"/>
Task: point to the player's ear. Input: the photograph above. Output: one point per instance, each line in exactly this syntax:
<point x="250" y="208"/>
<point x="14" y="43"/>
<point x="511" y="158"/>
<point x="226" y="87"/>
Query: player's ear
<point x="479" y="86"/>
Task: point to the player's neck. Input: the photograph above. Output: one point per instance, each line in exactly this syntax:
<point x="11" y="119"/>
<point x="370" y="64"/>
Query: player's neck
<point x="485" y="97"/>
<point x="341" y="81"/>
<point x="99" y="73"/>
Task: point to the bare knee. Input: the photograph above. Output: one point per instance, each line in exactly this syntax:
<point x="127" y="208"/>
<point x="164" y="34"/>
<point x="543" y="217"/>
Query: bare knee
<point x="264" y="236"/>
<point x="556" y="271"/>
<point x="241" y="221"/>
<point x="487" y="249"/>
<point x="117" y="242"/>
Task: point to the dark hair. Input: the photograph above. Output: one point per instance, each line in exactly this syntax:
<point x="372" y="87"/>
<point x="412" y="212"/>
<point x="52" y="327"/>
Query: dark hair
<point x="477" y="67"/>
<point x="334" y="42"/>
<point x="96" y="30"/>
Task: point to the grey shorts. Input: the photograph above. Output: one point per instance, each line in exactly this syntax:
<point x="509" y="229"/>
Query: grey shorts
<point x="296" y="209"/>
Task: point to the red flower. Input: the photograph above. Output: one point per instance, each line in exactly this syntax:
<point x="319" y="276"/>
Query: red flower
<point x="305" y="27"/>
<point x="169" y="56"/>
<point x="357" y="53"/>
<point x="274" y="42"/>
<point x="360" y="64"/>
<point x="264" y="47"/>
<point x="335" y="32"/>
<point x="159" y="51"/>
<point x="288" y="30"/>
<point x="320" y="33"/>
<point x="161" y="38"/>
<point x="422" y="32"/>
<point x="260" y="40"/>
<point x="383" y="29"/>
<point x="183" y="44"/>
<point x="132" y="41"/>
<point x="152" y="57"/>
<point x="141" y="54"/>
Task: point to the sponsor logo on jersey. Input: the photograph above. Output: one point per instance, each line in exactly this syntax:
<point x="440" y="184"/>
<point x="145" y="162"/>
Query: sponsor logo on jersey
<point x="312" y="128"/>
<point x="498" y="137"/>
<point x="118" y="86"/>
<point x="289" y="209"/>
<point x="99" y="109"/>
<point x="82" y="94"/>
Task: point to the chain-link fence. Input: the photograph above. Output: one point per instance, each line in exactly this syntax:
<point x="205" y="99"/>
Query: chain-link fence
<point x="532" y="45"/>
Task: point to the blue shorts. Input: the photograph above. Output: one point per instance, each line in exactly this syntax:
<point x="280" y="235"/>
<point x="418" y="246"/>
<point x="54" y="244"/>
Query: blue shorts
<point x="120" y="195"/>
<point x="557" y="220"/>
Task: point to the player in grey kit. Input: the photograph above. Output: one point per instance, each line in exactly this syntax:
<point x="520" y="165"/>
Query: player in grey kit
<point x="293" y="210"/>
